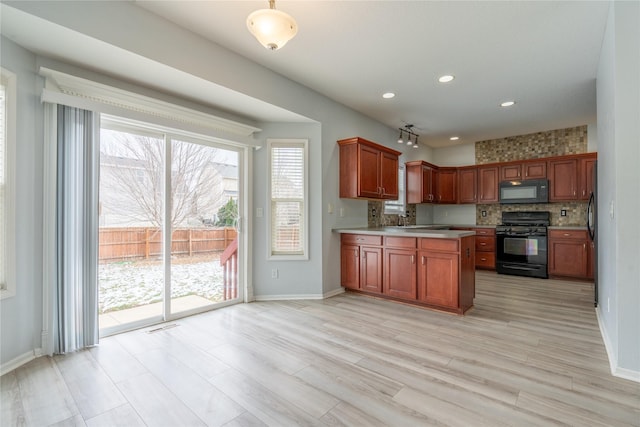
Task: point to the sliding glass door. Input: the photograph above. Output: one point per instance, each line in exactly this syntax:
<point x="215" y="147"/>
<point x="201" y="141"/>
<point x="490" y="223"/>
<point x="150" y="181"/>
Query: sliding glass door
<point x="168" y="225"/>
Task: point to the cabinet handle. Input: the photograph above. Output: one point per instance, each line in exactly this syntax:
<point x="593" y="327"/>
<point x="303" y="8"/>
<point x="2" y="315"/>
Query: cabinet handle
<point x="413" y="259"/>
<point x="574" y="192"/>
<point x="355" y="253"/>
<point x="567" y="234"/>
<point x="483" y="244"/>
<point x="483" y="259"/>
<point x="584" y="246"/>
<point x="583" y="192"/>
<point x="361" y="239"/>
<point x="423" y="260"/>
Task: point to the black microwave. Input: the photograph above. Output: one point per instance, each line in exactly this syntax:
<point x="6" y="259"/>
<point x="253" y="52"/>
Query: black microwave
<point x="525" y="191"/>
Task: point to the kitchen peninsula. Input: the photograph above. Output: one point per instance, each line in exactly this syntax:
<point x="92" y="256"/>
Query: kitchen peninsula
<point x="422" y="265"/>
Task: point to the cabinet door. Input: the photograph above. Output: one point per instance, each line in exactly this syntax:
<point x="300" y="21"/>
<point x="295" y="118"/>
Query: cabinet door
<point x="389" y="176"/>
<point x="563" y="176"/>
<point x="568" y="258"/>
<point x="371" y="269"/>
<point x="369" y="172"/>
<point x="400" y="273"/>
<point x="350" y="266"/>
<point x="428" y="175"/>
<point x="488" y="183"/>
<point x="586" y="177"/>
<point x="467" y="185"/>
<point x="509" y="172"/>
<point x="438" y="278"/>
<point x="446" y="185"/>
<point x="534" y="170"/>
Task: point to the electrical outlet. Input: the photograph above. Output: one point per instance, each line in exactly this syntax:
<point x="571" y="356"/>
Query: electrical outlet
<point x="563" y="212"/>
<point x="274" y="273"/>
<point x="342" y="212"/>
<point x="484" y="214"/>
<point x="259" y="213"/>
<point x="330" y="208"/>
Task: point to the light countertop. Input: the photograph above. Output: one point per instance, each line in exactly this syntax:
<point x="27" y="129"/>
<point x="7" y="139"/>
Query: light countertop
<point x="429" y="231"/>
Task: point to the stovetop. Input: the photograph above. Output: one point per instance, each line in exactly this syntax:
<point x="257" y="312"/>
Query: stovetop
<point x="526" y="218"/>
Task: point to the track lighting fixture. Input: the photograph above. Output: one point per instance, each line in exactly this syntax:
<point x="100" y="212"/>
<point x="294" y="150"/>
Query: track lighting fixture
<point x="408" y="130"/>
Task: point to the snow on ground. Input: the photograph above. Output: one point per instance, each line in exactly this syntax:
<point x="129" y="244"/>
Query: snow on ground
<point x="127" y="284"/>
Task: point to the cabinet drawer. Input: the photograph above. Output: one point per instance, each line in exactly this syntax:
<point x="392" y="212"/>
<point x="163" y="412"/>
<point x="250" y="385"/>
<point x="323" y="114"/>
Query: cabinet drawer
<point x="400" y="242"/>
<point x="439" y="245"/>
<point x="485" y="231"/>
<point x="361" y="239"/>
<point x="485" y="244"/>
<point x="568" y="234"/>
<point x="486" y="260"/>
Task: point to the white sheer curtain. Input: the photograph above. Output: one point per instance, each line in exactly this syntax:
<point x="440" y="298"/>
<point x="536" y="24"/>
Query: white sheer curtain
<point x="75" y="293"/>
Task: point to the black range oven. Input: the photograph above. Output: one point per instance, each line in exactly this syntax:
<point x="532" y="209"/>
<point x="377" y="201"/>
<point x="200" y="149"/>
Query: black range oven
<point x="521" y="244"/>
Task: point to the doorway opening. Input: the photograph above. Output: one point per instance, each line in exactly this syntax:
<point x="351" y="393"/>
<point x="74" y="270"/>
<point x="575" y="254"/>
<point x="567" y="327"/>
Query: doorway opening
<point x="168" y="225"/>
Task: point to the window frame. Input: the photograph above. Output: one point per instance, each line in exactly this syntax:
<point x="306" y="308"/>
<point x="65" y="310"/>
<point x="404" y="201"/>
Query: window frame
<point x="304" y="232"/>
<point x="9" y="80"/>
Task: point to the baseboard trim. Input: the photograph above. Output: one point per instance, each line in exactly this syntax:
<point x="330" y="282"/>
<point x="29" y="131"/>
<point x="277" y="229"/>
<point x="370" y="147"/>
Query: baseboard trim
<point x="616" y="371"/>
<point x="23" y="359"/>
<point x="290" y="297"/>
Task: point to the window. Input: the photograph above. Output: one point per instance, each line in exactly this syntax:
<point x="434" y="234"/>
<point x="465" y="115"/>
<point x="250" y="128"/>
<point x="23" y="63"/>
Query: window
<point x="7" y="146"/>
<point x="398" y="207"/>
<point x="288" y="193"/>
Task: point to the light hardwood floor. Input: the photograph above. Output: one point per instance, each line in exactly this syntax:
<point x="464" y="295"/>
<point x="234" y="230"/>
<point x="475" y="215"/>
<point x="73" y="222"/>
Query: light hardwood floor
<point x="529" y="353"/>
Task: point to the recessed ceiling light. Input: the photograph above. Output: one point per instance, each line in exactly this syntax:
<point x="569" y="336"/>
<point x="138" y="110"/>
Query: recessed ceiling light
<point x="388" y="95"/>
<point x="507" y="103"/>
<point x="454" y="138"/>
<point x="446" y="78"/>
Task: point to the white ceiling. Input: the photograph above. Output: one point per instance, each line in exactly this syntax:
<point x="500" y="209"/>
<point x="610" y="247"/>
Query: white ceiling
<point x="542" y="54"/>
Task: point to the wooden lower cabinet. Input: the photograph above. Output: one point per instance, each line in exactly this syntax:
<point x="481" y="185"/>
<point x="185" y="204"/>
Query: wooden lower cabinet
<point x="400" y="273"/>
<point x="438" y="278"/>
<point x="350" y="266"/>
<point x="433" y="272"/>
<point x="570" y="254"/>
<point x="371" y="269"/>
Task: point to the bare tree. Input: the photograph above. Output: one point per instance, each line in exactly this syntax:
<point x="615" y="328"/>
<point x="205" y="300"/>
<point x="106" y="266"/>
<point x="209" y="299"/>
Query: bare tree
<point x="133" y="178"/>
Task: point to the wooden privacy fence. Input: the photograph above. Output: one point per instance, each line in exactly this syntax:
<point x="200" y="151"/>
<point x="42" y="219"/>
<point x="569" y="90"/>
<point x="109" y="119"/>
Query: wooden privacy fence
<point x="146" y="242"/>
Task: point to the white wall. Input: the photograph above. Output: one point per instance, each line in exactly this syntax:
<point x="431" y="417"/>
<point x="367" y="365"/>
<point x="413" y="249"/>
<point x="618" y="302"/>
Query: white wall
<point x="21" y="315"/>
<point x="618" y="89"/>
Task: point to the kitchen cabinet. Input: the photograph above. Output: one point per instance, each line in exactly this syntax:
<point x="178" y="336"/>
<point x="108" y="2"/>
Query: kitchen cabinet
<point x="445" y="270"/>
<point x="485" y="248"/>
<point x="586" y="166"/>
<point x="467" y="185"/>
<point x="525" y="170"/>
<point x="421" y="184"/>
<point x="368" y="170"/>
<point x="446" y="185"/>
<point x="400" y="267"/>
<point x="563" y="179"/>
<point x="432" y="272"/>
<point x="350" y="266"/>
<point x="570" y="253"/>
<point x="361" y="262"/>
<point x="488" y="184"/>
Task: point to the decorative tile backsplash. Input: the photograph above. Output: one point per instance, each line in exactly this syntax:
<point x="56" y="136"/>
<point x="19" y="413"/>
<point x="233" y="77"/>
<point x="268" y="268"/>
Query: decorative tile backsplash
<point x="377" y="218"/>
<point x="533" y="146"/>
<point x="576" y="212"/>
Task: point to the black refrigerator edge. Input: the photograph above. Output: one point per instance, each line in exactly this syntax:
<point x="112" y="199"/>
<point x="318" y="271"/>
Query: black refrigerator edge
<point x="592" y="227"/>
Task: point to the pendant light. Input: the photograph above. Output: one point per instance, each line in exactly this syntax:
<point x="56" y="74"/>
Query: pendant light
<point x="271" y="27"/>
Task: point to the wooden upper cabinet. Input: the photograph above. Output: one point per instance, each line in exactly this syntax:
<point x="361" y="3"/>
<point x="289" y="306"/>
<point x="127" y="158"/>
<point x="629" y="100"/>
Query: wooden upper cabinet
<point x="587" y="166"/>
<point x="488" y="184"/>
<point x="563" y="179"/>
<point x="467" y="185"/>
<point x="446" y="185"/>
<point x="525" y="170"/>
<point x="420" y="182"/>
<point x="367" y="170"/>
